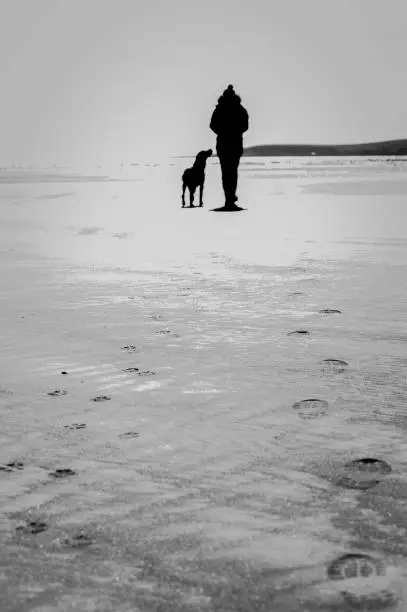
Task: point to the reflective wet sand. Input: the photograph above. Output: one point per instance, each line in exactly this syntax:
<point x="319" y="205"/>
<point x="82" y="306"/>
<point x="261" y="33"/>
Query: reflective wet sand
<point x="195" y="453"/>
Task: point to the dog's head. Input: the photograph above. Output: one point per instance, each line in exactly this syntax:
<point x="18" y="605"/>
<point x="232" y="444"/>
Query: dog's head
<point x="203" y="156"/>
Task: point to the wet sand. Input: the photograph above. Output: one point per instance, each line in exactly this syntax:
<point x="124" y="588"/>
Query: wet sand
<point x="159" y="446"/>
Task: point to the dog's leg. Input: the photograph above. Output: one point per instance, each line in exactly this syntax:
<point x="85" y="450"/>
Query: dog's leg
<point x="191" y="197"/>
<point x="183" y="194"/>
<point x="201" y="186"/>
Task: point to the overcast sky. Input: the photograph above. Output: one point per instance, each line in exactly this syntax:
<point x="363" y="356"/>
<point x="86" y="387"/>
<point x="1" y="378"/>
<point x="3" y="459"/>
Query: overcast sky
<point x="121" y="80"/>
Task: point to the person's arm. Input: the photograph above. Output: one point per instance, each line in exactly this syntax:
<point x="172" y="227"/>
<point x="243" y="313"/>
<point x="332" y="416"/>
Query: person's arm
<point x="245" y="120"/>
<point x="214" y="124"/>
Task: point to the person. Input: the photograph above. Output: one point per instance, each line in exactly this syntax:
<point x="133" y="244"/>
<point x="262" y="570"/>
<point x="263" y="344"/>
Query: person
<point x="229" y="121"/>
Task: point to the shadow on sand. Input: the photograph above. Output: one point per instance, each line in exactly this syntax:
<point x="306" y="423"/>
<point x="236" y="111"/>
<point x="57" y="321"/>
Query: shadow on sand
<point x="228" y="209"/>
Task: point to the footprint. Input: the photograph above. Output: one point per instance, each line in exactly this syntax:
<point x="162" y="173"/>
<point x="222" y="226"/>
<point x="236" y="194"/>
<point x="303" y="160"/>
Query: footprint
<point x="280" y="436"/>
<point x="299" y="332"/>
<point x="130" y="370"/>
<point x="129" y="434"/>
<point x="166" y="332"/>
<point x="363" y="473"/>
<point x="362" y="569"/>
<point x="334" y="366"/>
<point x="62" y="473"/>
<point x="369" y="465"/>
<point x="122" y="235"/>
<point x="330" y="311"/>
<point x="376" y="600"/>
<point x="311" y="408"/>
<point x="80" y="540"/>
<point x="57" y="393"/>
<point x="355" y="565"/>
<point x="347" y="482"/>
<point x="75" y="426"/>
<point x="32" y="527"/>
<point x="147" y="373"/>
<point x="89" y="231"/>
<point x="12" y="466"/>
<point x="129" y="347"/>
<point x="100" y="398"/>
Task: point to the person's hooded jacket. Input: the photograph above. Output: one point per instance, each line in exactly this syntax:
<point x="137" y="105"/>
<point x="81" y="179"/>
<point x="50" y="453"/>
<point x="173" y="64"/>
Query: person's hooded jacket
<point x="229" y="119"/>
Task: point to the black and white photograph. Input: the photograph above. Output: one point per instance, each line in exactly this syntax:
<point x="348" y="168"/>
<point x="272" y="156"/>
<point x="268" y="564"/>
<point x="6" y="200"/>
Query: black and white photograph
<point x="203" y="305"/>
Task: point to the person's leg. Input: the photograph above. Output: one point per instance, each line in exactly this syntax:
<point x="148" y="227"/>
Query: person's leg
<point x="233" y="179"/>
<point x="224" y="166"/>
<point x="229" y="154"/>
<point x="235" y="161"/>
<point x="229" y="157"/>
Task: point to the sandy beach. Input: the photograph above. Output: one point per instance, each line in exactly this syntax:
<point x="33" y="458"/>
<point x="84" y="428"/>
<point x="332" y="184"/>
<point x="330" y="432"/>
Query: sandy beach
<point x="159" y="449"/>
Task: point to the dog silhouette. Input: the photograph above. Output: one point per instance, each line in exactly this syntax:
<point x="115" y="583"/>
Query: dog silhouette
<point x="195" y="177"/>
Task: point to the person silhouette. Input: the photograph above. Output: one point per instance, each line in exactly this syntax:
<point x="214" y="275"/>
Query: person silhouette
<point x="229" y="122"/>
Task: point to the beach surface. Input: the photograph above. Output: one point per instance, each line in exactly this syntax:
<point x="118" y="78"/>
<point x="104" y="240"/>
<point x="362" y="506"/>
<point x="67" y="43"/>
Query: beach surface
<point x="182" y="394"/>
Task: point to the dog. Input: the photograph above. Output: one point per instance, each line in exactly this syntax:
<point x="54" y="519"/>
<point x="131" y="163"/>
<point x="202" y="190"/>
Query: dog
<point x="195" y="177"/>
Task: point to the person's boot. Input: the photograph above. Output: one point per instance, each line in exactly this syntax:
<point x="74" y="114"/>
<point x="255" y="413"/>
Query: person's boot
<point x="230" y="203"/>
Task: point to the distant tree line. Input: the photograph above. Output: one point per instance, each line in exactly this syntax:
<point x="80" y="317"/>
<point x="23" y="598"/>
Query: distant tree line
<point x="388" y="147"/>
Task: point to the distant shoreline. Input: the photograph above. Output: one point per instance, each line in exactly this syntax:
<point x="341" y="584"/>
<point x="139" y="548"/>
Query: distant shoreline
<point x="387" y="147"/>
